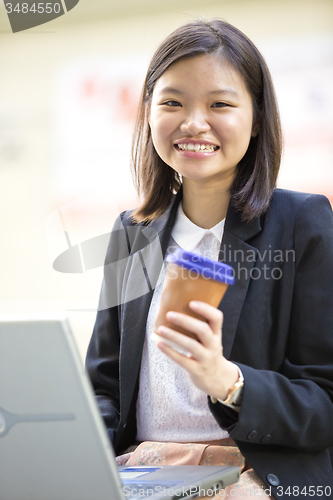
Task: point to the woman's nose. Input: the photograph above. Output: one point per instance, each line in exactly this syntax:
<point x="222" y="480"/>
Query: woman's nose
<point x="195" y="123"/>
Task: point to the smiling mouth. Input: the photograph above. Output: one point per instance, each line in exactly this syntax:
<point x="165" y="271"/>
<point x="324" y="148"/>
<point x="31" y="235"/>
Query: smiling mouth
<point x="196" y="148"/>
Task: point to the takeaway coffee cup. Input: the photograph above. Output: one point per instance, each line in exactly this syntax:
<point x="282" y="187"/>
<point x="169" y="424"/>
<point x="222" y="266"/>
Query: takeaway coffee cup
<point x="191" y="276"/>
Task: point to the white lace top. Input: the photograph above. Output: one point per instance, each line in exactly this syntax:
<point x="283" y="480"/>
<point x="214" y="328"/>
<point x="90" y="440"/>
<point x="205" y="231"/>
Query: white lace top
<point x="169" y="406"/>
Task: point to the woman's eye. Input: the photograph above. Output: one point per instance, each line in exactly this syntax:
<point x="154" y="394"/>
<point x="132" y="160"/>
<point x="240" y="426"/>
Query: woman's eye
<point x="220" y="105"/>
<point x="172" y="103"/>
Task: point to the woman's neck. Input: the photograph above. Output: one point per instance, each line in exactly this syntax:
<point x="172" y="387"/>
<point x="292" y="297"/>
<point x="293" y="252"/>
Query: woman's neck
<point x="205" y="206"/>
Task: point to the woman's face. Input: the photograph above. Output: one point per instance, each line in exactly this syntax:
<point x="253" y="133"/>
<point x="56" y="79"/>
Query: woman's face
<point x="201" y="118"/>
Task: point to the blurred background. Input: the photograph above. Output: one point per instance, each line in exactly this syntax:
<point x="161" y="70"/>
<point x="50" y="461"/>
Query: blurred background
<point x="68" y="94"/>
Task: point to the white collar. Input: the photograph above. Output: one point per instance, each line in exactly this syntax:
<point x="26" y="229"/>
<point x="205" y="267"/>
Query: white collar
<point x="187" y="235"/>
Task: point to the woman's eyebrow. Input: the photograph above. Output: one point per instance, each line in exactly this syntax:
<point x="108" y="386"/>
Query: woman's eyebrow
<point x="227" y="90"/>
<point x="171" y="90"/>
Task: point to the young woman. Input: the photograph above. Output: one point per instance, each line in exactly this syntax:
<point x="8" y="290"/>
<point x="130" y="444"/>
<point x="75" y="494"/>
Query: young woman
<point x="206" y="156"/>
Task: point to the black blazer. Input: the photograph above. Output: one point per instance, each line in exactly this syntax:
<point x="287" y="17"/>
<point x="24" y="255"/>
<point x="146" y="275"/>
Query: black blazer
<point x="278" y="327"/>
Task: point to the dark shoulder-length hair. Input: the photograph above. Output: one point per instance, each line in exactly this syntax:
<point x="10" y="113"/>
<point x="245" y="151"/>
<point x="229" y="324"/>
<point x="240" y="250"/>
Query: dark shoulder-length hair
<point x="258" y="170"/>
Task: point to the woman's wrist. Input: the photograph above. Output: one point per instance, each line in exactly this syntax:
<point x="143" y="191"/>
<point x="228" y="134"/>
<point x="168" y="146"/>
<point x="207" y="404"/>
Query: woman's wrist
<point x="229" y="377"/>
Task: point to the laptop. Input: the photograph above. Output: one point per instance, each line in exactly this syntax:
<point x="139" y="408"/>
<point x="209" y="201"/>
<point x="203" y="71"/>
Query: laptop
<point x="53" y="442"/>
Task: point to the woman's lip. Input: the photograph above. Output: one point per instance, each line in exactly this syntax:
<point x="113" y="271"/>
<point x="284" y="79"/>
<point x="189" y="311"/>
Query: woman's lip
<point x="195" y="154"/>
<point x="195" y="141"/>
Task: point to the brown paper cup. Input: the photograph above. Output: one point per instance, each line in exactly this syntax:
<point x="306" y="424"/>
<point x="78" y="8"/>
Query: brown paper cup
<point x="180" y="287"/>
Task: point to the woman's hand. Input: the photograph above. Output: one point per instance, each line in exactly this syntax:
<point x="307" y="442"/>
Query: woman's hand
<point x="207" y="368"/>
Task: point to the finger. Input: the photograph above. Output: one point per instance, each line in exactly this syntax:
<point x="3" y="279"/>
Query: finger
<point x="213" y="315"/>
<point x="181" y="359"/>
<point x="185" y="343"/>
<point x="197" y="326"/>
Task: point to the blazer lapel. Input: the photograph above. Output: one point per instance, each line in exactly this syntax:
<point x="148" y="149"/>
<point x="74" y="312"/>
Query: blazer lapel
<point x="241" y="256"/>
<point x="148" y="247"/>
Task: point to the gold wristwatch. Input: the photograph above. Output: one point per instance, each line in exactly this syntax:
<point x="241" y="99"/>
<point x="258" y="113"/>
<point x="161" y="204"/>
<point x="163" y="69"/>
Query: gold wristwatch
<point x="235" y="393"/>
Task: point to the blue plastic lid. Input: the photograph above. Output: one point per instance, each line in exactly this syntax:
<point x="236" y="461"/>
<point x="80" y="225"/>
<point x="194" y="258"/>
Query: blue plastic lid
<point x="206" y="267"/>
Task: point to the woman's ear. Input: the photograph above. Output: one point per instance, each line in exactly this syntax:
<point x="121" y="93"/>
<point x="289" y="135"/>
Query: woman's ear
<point x="148" y="114"/>
<point x="255" y="130"/>
<point x="256" y="123"/>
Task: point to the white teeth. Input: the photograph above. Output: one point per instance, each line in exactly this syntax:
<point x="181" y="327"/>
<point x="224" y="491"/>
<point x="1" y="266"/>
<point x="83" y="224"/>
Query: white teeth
<point x="196" y="147"/>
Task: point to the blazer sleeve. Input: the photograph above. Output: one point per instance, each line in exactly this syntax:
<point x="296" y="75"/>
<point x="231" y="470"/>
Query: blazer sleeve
<point x="102" y="360"/>
<point x="294" y="408"/>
